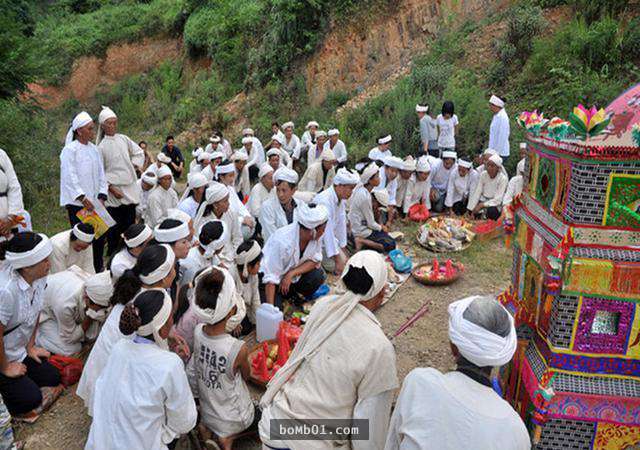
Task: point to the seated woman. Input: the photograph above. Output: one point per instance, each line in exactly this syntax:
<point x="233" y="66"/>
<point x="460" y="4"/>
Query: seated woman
<point x="135" y="241"/>
<point x="343" y="364"/>
<point x="460" y="409"/>
<point x="24" y="368"/>
<point x="73" y="248"/>
<point x="75" y="307"/>
<point x="462" y="183"/>
<point x="219" y="382"/>
<point x="261" y="191"/>
<point x="367" y="231"/>
<point x="142" y="397"/>
<point x="280" y="209"/>
<point x="319" y="175"/>
<point x="193" y="194"/>
<point x="486" y="199"/>
<point x="419" y="188"/>
<point x="211" y="239"/>
<point x="245" y="274"/>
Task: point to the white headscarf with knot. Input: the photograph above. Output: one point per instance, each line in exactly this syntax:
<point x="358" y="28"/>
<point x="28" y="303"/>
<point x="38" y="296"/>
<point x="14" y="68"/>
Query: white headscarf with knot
<point x="214" y="193"/>
<point x="158" y="321"/>
<point x="478" y="345"/>
<point x="99" y="288"/>
<point x="243" y="259"/>
<point x="327" y="316"/>
<point x="312" y="217"/>
<point x="225" y="302"/>
<point x="79" y="121"/>
<point x="344" y="176"/>
<point x="368" y="173"/>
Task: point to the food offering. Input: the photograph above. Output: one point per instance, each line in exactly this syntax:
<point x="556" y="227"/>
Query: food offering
<point x="269" y="356"/>
<point x="437" y="273"/>
<point x="446" y="234"/>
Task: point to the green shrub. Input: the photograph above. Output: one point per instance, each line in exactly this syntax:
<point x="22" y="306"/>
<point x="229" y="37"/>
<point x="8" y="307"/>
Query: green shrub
<point x="525" y="22"/>
<point x="631" y="40"/>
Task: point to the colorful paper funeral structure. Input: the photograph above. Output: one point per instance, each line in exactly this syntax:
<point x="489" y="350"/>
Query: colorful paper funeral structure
<point x="575" y="288"/>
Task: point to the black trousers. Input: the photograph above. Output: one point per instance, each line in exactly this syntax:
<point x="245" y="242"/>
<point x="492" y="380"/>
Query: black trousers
<point x="380" y="237"/>
<point x="460" y="207"/>
<point x="304" y="287"/>
<point x="98" y="244"/>
<point x="22" y="394"/>
<point x="125" y="216"/>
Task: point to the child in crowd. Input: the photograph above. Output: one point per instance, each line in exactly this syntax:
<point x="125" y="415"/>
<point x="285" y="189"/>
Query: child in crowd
<point x="447" y="128"/>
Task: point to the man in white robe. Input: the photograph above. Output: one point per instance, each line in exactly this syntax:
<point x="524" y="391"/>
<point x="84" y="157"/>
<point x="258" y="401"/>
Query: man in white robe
<point x="277" y="143"/>
<point x="161" y="199"/>
<point x="389" y="182"/>
<point x="147" y="182"/>
<point x="335" y="200"/>
<point x="75" y="306"/>
<point x="319" y="175"/>
<point x="261" y="191"/>
<point x="343" y="365"/>
<point x="292" y="257"/>
<point x="226" y="175"/>
<point x="459" y="409"/>
<point x="11" y="206"/>
<point x="242" y="181"/>
<point x="441" y="170"/>
<point x="73" y="248"/>
<point x="379" y="153"/>
<point x="255" y="156"/>
<point x="209" y="170"/>
<point x="462" y="183"/>
<point x="339" y="149"/>
<point x="202" y="160"/>
<point x="315" y="149"/>
<point x="486" y="199"/>
<point x="308" y="139"/>
<point x="214" y="145"/>
<point x="419" y="188"/>
<point x="280" y="209"/>
<point x="121" y="158"/>
<point x="405" y="179"/>
<point x="500" y="129"/>
<point x="257" y="149"/>
<point x="291" y="142"/>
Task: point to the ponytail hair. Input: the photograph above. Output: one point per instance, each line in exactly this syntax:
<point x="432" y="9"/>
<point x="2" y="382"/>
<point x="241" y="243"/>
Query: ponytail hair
<point x="129" y="283"/>
<point x="141" y="311"/>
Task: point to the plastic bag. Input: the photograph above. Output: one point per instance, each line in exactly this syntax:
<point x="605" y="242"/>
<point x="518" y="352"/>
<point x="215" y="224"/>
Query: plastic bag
<point x="70" y="368"/>
<point x="401" y="263"/>
<point x="419" y="212"/>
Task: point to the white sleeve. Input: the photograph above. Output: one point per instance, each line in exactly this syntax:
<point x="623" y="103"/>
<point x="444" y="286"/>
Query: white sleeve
<point x="192" y="376"/>
<point x="341" y="226"/>
<point x="58" y="260"/>
<point x="14" y="190"/>
<point x="448" y="201"/>
<point x="367" y="212"/>
<point x="474" y="197"/>
<point x="330" y="241"/>
<point x="102" y="177"/>
<point x="267" y="220"/>
<point x="70" y="331"/>
<point x="153" y="211"/>
<point x="135" y="153"/>
<point x="68" y="173"/>
<point x="496" y="200"/>
<point x="180" y="408"/>
<point x="393" y="189"/>
<point x="273" y="262"/>
<point x="508" y="195"/>
<point x="376" y="410"/>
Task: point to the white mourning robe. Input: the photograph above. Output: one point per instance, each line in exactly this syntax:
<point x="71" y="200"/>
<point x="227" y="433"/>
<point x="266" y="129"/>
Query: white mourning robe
<point x="292" y="147"/>
<point x="440" y="175"/>
<point x="459" y="187"/>
<point x="375" y="154"/>
<point x="282" y="253"/>
<point x="159" y="202"/>
<point x="489" y="191"/>
<point x="259" y="194"/>
<point x="10" y="189"/>
<point x="142" y="401"/>
<point x="361" y="387"/>
<point x="514" y="188"/>
<point x="417" y="192"/>
<point x="335" y="233"/>
<point x="123" y="260"/>
<point x="81" y="173"/>
<point x="109" y="335"/>
<point x="401" y="191"/>
<point x="189" y="206"/>
<point x="60" y="329"/>
<point x="120" y="157"/>
<point x="361" y="217"/>
<point x="391" y="186"/>
<point x="340" y="150"/>
<point x="63" y="256"/>
<point x="256" y="155"/>
<point x="312" y="180"/>
<point x="452" y="412"/>
<point x="242" y="183"/>
<point x="234" y="234"/>
<point x="313" y="154"/>
<point x="499" y="131"/>
<point x="273" y="217"/>
<point x="307" y="141"/>
<point x="249" y="292"/>
<point x="141" y="208"/>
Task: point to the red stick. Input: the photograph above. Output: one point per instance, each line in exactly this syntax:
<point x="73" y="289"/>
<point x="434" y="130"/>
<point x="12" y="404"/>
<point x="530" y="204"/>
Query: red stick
<point x="413" y="319"/>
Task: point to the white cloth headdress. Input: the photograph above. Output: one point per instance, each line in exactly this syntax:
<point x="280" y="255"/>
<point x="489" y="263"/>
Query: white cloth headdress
<point x="523" y="145"/>
<point x="278" y="138"/>
<point x="368" y="173"/>
<point x="41" y="251"/>
<point x="312" y="123"/>
<point x="150" y="178"/>
<point x="409" y="164"/>
<point x="138" y="239"/>
<point x="449" y="154"/>
<point x="247" y="132"/>
<point x="344" y="176"/>
<point x="490" y="152"/>
<point x="421" y="108"/>
<point x="385" y="140"/>
<point x="164" y="171"/>
<point x="327" y="155"/>
<point x="264" y="170"/>
<point x="214" y="139"/>
<point x="244" y="258"/>
<point x="171" y="235"/>
<point x="333" y="132"/>
<point x="196" y="152"/>
<point x="240" y="155"/>
<point x="423" y="164"/>
<point x="80" y="120"/>
<point x="312" y="217"/>
<point x="285" y="174"/>
<point x="381" y="196"/>
<point x="273" y="152"/>
<point x="222" y="169"/>
<point x="217" y="155"/>
<point x="196" y="180"/>
<point x="465" y="164"/>
<point x="224" y="303"/>
<point x="162" y="270"/>
<point x="497" y="101"/>
<point x="81" y="235"/>
<point x="247" y="140"/>
<point x="393" y="161"/>
<point x="99" y="288"/>
<point x="496" y="159"/>
<point x="178" y="214"/>
<point x="476" y="344"/>
<point x="215" y="192"/>
<point x="163" y="158"/>
<point x="158" y="321"/>
<point x="106" y="114"/>
<point x="321" y="133"/>
<point x="288" y="125"/>
<point x="204" y="156"/>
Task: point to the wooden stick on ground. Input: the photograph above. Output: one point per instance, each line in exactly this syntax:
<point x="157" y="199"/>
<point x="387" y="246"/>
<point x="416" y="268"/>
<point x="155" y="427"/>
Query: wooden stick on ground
<point x="412" y="320"/>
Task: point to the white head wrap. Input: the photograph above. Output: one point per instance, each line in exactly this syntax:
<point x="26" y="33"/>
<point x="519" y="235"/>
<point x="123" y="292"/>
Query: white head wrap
<point x="312" y="217"/>
<point x="520" y="167"/>
<point x="327" y="155"/>
<point x="222" y="169"/>
<point x="139" y="239"/>
<point x="344" y="176"/>
<point x="278" y="138"/>
<point x="409" y="164"/>
<point x="214" y="139"/>
<point x="81" y="235"/>
<point x="381" y="196"/>
<point x="217" y="155"/>
<point x="162" y="270"/>
<point x="476" y="344"/>
<point x="171" y="235"/>
<point x="204" y="156"/>
<point x="243" y="259"/>
<point x="312" y="123"/>
<point x="423" y="165"/>
<point x="393" y="161"/>
<point x="273" y="152"/>
<point x="465" y="164"/>
<point x="178" y="214"/>
<point x="212" y="247"/>
<point x="106" y="114"/>
<point x="333" y="132"/>
<point x="285" y="174"/>
<point x="79" y="121"/>
<point x="41" y="251"/>
<point x="224" y="303"/>
<point x="196" y="180"/>
<point x="288" y="125"/>
<point x="247" y="132"/>
<point x="317" y="331"/>
<point x="99" y="288"/>
<point x="158" y="321"/>
<point x="196" y="152"/>
<point x="385" y="140"/>
<point x="490" y="152"/>
<point x="163" y="158"/>
<point x="421" y="108"/>
<point x="368" y="173"/>
<point x="150" y="178"/>
<point x="449" y="154"/>
<point x="321" y="133"/>
<point x="497" y="101"/>
<point x="247" y="140"/>
<point x="264" y="170"/>
<point x="216" y="192"/>
<point x="240" y="155"/>
<point x="163" y="172"/>
<point x="523" y="145"/>
<point x="496" y="159"/>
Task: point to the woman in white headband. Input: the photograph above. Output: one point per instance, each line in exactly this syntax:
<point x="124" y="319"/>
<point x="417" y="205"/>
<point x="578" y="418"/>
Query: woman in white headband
<point x="74" y="248"/>
<point x="175" y="233"/>
<point x="245" y="274"/>
<point x="135" y="240"/>
<point x="211" y="239"/>
<point x="361" y="376"/>
<point x="155" y="268"/>
<point x="143" y="388"/>
<point x="23" y="368"/>
<point x="193" y="194"/>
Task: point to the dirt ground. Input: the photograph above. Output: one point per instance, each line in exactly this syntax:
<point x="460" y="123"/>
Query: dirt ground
<point x="487" y="263"/>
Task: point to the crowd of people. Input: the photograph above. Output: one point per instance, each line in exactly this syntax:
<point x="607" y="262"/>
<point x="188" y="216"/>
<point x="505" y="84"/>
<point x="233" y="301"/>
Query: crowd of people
<point x="166" y="294"/>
